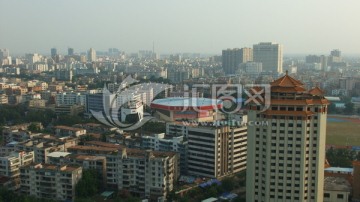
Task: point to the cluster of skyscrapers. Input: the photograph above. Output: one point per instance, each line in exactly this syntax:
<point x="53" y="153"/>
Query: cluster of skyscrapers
<point x="270" y="55"/>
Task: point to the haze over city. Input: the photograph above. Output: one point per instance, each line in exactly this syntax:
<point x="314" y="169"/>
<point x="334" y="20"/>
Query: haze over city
<point x="203" y="26"/>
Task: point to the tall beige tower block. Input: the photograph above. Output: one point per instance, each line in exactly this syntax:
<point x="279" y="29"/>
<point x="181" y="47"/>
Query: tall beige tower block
<point x="285" y="157"/>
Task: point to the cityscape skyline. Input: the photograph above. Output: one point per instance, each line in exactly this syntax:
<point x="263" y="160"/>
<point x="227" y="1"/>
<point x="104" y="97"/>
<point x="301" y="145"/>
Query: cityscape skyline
<point x="136" y="25"/>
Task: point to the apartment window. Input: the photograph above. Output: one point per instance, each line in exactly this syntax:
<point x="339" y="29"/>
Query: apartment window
<point x="340" y="196"/>
<point x="282" y="124"/>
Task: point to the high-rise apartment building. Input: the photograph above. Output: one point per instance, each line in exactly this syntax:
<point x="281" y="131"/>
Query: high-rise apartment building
<point x="321" y="59"/>
<point x="215" y="151"/>
<point x="335" y="56"/>
<point x="286" y="156"/>
<point x="92" y="55"/>
<point x="4" y="53"/>
<point x="270" y="55"/>
<point x="53" y="52"/>
<point x="336" y="53"/>
<point x="232" y="58"/>
<point x="70" y="51"/>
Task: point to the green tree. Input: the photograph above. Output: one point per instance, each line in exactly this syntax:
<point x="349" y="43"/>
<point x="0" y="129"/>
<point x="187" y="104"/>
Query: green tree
<point x="68" y="120"/>
<point x="34" y="128"/>
<point x="211" y="191"/>
<point x="89" y="184"/>
<point x="340" y="157"/>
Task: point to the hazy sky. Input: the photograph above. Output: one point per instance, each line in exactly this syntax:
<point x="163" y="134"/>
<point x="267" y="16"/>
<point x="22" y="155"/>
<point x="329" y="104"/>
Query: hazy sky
<point x="205" y="26"/>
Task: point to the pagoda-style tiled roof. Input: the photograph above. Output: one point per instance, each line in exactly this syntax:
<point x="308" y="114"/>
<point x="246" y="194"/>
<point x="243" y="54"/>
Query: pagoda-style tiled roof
<point x="316" y="91"/>
<point x="286" y="81"/>
<point x="278" y="89"/>
<point x="287" y="84"/>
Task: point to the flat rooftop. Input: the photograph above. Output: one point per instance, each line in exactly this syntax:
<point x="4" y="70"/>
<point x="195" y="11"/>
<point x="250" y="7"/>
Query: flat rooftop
<point x="336" y="184"/>
<point x="339" y="170"/>
<point x="58" y="154"/>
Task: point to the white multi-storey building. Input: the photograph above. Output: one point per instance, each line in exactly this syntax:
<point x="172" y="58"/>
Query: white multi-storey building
<point x="149" y="174"/>
<point x="50" y="181"/>
<point x="216" y="151"/>
<point x="161" y="142"/>
<point x="10" y="165"/>
<point x="70" y="98"/>
<point x="286" y="157"/>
